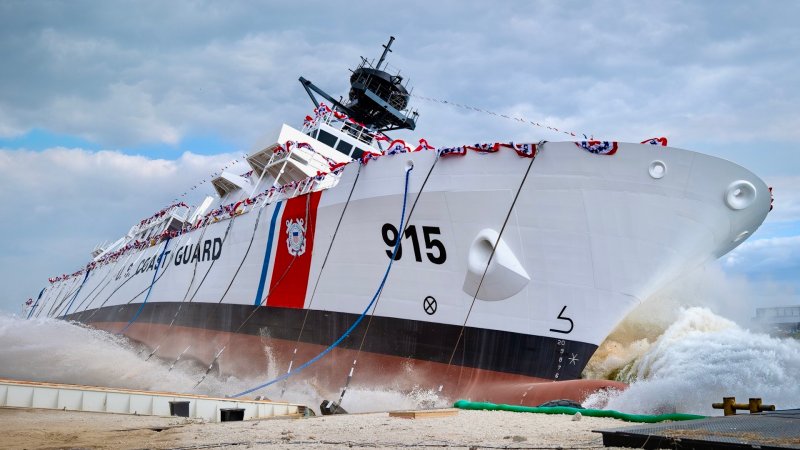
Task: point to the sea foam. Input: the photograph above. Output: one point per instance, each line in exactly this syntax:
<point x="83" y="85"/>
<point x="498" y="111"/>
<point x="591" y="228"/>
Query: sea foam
<point x="57" y="351"/>
<point x="701" y="358"/>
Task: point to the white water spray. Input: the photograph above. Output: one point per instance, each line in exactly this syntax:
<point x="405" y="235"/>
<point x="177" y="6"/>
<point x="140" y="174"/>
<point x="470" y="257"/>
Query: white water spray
<point x="700" y="359"/>
<point x="55" y="351"/>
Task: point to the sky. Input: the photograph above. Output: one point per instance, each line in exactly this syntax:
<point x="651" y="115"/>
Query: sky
<point x="110" y="110"/>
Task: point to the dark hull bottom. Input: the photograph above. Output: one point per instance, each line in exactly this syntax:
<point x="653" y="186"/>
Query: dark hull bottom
<point x="397" y="354"/>
<point x="246" y="356"/>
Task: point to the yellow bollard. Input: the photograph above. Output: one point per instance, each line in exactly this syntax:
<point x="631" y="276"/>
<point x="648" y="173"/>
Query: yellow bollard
<point x="729" y="406"/>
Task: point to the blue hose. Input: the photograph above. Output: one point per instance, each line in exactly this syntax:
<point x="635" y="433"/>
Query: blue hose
<point x="360" y="318"/>
<point x="149" y="290"/>
<point x="30" y="313"/>
<point x="76" y="293"/>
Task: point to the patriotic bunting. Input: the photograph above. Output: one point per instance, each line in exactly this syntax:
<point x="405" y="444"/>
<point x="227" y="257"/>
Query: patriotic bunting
<point x="662" y="141"/>
<point x="452" y="151"/>
<point x="528" y="150"/>
<point x="523" y="150"/>
<point x="397" y="146"/>
<point x="369" y="156"/>
<point x="485" y="148"/>
<point x="162" y="213"/>
<point x="598" y="147"/>
<point x="423" y="145"/>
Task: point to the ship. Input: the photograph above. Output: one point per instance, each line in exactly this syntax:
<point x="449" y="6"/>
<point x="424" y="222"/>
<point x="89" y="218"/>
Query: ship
<point x="488" y="271"/>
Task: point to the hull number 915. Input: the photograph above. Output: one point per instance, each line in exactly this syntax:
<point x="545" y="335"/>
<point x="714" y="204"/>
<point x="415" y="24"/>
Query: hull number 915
<point x="435" y="249"/>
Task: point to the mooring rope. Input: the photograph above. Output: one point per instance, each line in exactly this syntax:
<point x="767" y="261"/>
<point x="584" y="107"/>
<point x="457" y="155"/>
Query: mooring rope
<point x="152" y="283"/>
<point x="54" y="310"/>
<point x="247" y="252"/>
<point x="197" y="263"/>
<point x="50" y="301"/>
<point x="189" y="288"/>
<point x="30" y="313"/>
<point x="69" y="305"/>
<point x="139" y="255"/>
<point x="489" y="260"/>
<point x="358" y="320"/>
<point x="160" y="276"/>
<point x="319" y="276"/>
<point x="369" y="322"/>
<point x="89" y="295"/>
<point x="211" y="266"/>
<point x="263" y="300"/>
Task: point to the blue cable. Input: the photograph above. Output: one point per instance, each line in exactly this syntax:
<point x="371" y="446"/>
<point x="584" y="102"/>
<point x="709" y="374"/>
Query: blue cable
<point x="360" y="318"/>
<point x="149" y="290"/>
<point x="30" y="313"/>
<point x="85" y="277"/>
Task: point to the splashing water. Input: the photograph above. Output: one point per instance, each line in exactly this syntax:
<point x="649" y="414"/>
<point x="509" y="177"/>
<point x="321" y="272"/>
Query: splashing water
<point x="56" y="351"/>
<point x="701" y="358"/>
<point x="677" y="359"/>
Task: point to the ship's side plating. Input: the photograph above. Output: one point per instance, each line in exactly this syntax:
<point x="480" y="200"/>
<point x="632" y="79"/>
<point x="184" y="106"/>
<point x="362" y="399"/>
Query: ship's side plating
<point x="576" y="240"/>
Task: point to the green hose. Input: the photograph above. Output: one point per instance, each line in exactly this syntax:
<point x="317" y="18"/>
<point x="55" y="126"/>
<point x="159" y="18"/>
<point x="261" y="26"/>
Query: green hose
<point x="642" y="418"/>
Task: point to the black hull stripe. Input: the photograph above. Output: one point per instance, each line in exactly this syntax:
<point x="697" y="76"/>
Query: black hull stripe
<point x="502" y="351"/>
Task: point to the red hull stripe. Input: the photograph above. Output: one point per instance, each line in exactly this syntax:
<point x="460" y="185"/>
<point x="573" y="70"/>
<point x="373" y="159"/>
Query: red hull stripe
<point x="294" y="247"/>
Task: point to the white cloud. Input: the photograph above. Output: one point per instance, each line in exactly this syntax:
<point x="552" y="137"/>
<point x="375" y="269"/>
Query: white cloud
<point x="775" y="257"/>
<point x="786" y="194"/>
<point x="622" y="70"/>
<point x="707" y="75"/>
<point x="61" y="202"/>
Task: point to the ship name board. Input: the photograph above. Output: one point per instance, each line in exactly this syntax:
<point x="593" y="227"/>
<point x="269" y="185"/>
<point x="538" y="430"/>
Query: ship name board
<point x="208" y="250"/>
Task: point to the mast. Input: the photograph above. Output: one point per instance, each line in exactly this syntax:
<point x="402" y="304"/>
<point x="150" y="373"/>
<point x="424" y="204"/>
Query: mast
<point x="377" y="98"/>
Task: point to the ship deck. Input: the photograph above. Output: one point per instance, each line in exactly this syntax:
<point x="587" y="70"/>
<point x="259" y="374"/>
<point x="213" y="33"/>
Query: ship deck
<point x="768" y="430"/>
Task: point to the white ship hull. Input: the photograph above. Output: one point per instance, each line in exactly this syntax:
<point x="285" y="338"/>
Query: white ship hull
<point x="583" y="238"/>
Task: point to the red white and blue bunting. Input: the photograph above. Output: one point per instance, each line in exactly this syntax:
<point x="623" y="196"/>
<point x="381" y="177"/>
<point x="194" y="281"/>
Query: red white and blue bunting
<point x="323" y="113"/>
<point x="162" y="213"/>
<point x="423" y="145"/>
<point x="397" y="146"/>
<point x="662" y="141"/>
<point x="599" y="147"/>
<point x="452" y="151"/>
<point x="288" y="190"/>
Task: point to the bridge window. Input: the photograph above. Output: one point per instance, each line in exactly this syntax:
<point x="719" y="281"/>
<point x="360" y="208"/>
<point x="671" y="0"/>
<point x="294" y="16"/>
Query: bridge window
<point x="326" y="138"/>
<point x="344" y="147"/>
<point x="357" y="153"/>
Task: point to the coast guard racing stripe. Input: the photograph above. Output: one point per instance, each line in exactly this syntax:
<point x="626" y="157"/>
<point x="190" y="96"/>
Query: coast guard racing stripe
<point x="295" y="244"/>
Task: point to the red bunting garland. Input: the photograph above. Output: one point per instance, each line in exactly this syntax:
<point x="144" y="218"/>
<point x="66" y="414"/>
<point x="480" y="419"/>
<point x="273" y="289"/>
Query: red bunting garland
<point x="523" y="150"/>
<point x="526" y="150"/>
<point x="599" y="147"/>
<point x="369" y="156"/>
<point x="485" y="148"/>
<point x="452" y="151"/>
<point x="161" y="213"/>
<point x="662" y="141"/>
<point x="423" y="145"/>
<point x="397" y="146"/>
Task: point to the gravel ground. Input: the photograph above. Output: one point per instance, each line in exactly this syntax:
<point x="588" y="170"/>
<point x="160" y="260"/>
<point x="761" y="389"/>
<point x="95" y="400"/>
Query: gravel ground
<point x="40" y="429"/>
